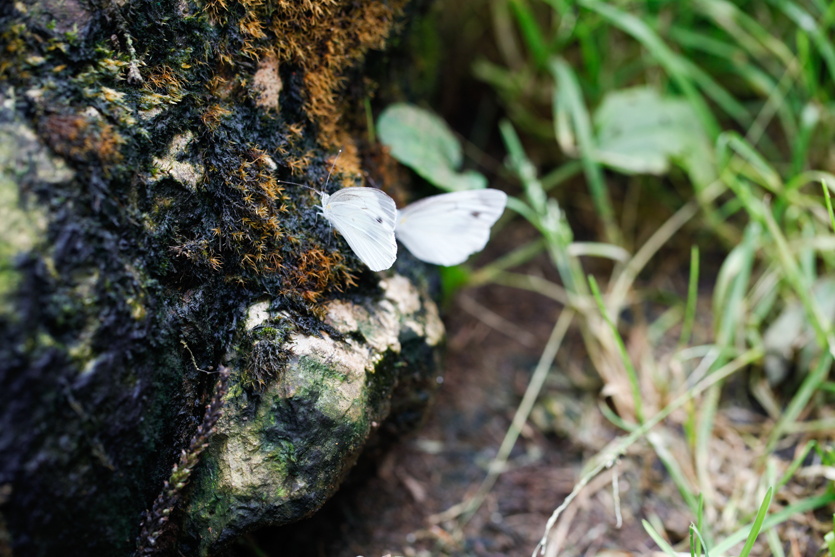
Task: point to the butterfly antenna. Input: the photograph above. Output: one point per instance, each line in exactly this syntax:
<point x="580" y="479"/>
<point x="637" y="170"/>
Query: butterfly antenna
<point x="298" y="184"/>
<point x="332" y="167"/>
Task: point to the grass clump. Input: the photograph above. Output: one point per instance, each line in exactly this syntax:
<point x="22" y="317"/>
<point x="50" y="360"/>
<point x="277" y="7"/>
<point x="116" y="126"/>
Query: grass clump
<point x="701" y="132"/>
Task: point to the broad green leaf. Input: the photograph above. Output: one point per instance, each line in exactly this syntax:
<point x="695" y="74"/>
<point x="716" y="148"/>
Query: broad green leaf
<point x="640" y="132"/>
<point x="424" y="142"/>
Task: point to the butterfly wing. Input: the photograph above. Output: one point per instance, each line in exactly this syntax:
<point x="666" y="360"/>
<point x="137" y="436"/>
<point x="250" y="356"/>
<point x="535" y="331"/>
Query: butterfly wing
<point x="365" y="217"/>
<point x="446" y="229"/>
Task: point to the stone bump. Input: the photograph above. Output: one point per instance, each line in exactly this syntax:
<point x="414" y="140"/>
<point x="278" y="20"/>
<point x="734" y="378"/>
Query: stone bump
<point x="279" y="455"/>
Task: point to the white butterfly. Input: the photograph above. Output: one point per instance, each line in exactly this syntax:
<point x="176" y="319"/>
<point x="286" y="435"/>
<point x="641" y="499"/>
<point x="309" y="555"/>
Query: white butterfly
<point x="366" y="218"/>
<point x="446" y="229"/>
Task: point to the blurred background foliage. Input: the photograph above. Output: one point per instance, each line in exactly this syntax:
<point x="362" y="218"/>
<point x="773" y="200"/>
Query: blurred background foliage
<point x="679" y="152"/>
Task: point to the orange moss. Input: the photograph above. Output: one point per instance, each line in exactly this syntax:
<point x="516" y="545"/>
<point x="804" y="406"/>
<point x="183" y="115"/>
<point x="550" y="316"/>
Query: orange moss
<point x="213" y="114"/>
<point x="79" y="138"/>
<point x="324" y="38"/>
<point x="164" y="79"/>
<point x="313" y="272"/>
<point x="256" y="236"/>
<point x="257" y="231"/>
<point x="347" y="163"/>
<point x="298" y="165"/>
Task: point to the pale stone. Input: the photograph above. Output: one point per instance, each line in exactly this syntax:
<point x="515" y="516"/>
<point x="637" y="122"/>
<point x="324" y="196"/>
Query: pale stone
<point x="280" y="455"/>
<point x="258" y="313"/>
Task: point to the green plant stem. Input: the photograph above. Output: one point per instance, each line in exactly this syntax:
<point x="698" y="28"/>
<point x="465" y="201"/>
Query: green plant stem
<point x="568" y="91"/>
<point x="692" y="295"/>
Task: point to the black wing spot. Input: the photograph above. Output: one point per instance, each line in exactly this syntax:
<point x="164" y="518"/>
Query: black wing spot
<point x="379" y="220"/>
<point x="475" y="214"/>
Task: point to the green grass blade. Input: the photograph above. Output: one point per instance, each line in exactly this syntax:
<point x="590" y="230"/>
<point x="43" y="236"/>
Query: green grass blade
<point x="606" y="457"/>
<point x="758" y="523"/>
<point x="701" y="543"/>
<point x="807" y="23"/>
<point x="804" y="394"/>
<point x="730" y="308"/>
<point x="762" y="212"/>
<point x="662" y="543"/>
<point x="523" y="168"/>
<point x="696" y="548"/>
<point x="775" y="544"/>
<point x="693" y="541"/>
<point x="518" y="256"/>
<point x="561" y="174"/>
<point x="792" y="271"/>
<point x="828" y="203"/>
<point x="731" y="143"/>
<point x="704" y="433"/>
<point x="786" y="513"/>
<point x="672" y="63"/>
<point x="568" y="89"/>
<point x="796" y="463"/>
<point x="810" y="176"/>
<point x="531" y="33"/>
<point x="674" y="470"/>
<point x="810" y="117"/>
<point x="717" y="93"/>
<point x="691" y="39"/>
<point x="523" y="209"/>
<point x="542" y="212"/>
<point x="658" y="328"/>
<point x="627" y="362"/>
<point x="692" y="295"/>
<point x="747" y="32"/>
<point x="616" y="420"/>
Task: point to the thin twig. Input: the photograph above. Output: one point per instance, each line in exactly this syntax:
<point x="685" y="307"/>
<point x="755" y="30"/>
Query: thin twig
<point x="154" y="522"/>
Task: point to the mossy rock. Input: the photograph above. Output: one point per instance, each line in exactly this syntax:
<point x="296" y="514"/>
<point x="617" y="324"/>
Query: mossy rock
<point x="147" y="153"/>
<point x="278" y="454"/>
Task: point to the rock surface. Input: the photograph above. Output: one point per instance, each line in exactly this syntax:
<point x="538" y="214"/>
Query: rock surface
<point x="280" y="455"/>
<point x="150" y="233"/>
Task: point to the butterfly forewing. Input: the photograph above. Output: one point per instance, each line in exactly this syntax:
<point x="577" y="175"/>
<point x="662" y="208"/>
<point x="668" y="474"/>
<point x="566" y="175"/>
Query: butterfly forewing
<point x="446" y="229"/>
<point x="365" y="217"/>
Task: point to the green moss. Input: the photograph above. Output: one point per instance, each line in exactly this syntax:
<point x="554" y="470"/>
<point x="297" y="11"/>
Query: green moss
<point x="317" y="371"/>
<point x="270" y="333"/>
